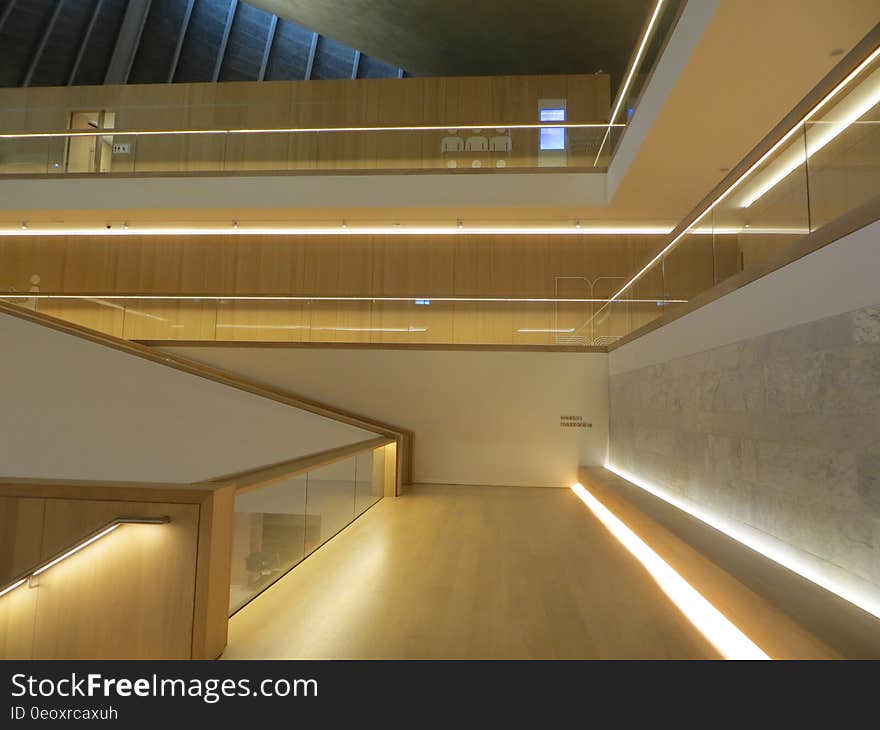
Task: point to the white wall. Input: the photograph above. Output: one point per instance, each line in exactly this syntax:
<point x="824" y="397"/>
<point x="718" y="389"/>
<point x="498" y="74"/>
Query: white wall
<point x="73" y="409"/>
<point x="301" y="191"/>
<point x="479" y="417"/>
<point x="838" y="278"/>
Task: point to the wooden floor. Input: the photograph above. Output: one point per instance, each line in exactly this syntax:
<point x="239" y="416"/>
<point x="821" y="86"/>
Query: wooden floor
<point x="468" y="572"/>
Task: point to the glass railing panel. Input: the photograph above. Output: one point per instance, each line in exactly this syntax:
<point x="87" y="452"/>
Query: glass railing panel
<point x="268" y="320"/>
<point x="232" y="150"/>
<point x="766" y="213"/>
<point x="279" y="524"/>
<point x="271" y="531"/>
<point x="330" y="501"/>
<point x="166" y="319"/>
<point x="689" y="268"/>
<point x="843" y="147"/>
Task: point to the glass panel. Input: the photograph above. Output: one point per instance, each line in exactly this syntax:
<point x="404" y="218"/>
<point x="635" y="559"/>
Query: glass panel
<point x="330" y="501"/>
<point x="765" y="214"/>
<point x="844" y="152"/>
<point x="271" y="531"/>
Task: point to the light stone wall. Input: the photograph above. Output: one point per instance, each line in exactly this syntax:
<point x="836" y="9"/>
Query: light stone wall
<point x="780" y="432"/>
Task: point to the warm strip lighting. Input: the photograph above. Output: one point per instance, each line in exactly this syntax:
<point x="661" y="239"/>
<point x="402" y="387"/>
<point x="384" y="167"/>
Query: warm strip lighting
<point x="196" y="298"/>
<point x="549" y="331"/>
<point x="817" y="138"/>
<point x="12" y="586"/>
<point x="319" y="329"/>
<point x="75" y="550"/>
<point x="297" y="130"/>
<point x="624" y="90"/>
<point x="767" y="155"/>
<point x="340" y="230"/>
<point x="708" y="620"/>
<point x="767" y="547"/>
<point x="102" y="532"/>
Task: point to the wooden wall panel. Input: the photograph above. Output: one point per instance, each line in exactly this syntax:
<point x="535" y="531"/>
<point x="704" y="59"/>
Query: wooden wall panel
<point x="381" y="266"/>
<point x="364" y="102"/>
<point x="21" y="527"/>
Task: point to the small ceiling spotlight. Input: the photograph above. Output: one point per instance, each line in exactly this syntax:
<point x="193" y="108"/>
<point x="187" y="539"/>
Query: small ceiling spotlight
<point x="125" y="226"/>
<point x="460" y="224"/>
<point x="24" y="225"/>
<point x="747" y="225"/>
<point x="344" y="224"/>
<point x="235" y="225"/>
<point x="577" y="224"/>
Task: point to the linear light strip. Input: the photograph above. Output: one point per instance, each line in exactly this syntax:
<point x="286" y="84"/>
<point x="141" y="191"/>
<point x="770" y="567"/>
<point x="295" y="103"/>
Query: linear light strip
<point x="621" y="95"/>
<point x="12" y="586"/>
<point x="296" y="130"/>
<point x="102" y="532"/>
<point x="761" y="160"/>
<point x="319" y="329"/>
<point x="306" y="298"/>
<point x="241" y="230"/>
<point x="76" y="549"/>
<point x="708" y="620"/>
<point x="818" y="141"/>
<point x="767" y="548"/>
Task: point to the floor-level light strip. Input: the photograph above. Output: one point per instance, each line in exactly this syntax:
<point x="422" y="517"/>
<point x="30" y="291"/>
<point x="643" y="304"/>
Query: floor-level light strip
<point x="624" y="90"/>
<point x="73" y="550"/>
<point x="708" y="620"/>
<point x="767" y="548"/>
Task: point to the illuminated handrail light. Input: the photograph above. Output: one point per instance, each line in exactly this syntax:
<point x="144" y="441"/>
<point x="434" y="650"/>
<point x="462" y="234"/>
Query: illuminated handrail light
<point x="689" y="228"/>
<point x="637" y="59"/>
<point x="296" y="130"/>
<point x="708" y="620"/>
<point x="51" y="562"/>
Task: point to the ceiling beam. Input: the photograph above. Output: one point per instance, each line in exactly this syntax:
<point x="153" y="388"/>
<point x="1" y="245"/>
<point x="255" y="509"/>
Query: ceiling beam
<point x="127" y="41"/>
<point x="28" y="77"/>
<point x="355" y="64"/>
<point x="224" y="41"/>
<point x="184" y="26"/>
<point x="267" y="49"/>
<point x="311" y="62"/>
<point x="85" y="41"/>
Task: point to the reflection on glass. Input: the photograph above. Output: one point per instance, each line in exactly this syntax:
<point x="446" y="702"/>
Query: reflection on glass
<point x="279" y="524"/>
<point x="271" y="530"/>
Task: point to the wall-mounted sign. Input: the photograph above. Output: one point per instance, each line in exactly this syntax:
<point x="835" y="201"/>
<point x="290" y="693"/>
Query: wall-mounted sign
<point x="574" y="422"/>
<point x="122" y="148"/>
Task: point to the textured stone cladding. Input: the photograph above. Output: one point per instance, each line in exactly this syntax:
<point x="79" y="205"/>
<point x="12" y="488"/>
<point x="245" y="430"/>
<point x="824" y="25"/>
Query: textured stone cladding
<point x="781" y="432"/>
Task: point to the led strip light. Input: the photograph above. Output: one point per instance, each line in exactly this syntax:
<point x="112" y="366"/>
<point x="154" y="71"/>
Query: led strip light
<point x="621" y="95"/>
<point x="241" y="229"/>
<point x="98" y="298"/>
<point x="754" y="166"/>
<point x="768" y="548"/>
<point x="76" y="547"/>
<point x="708" y="620"/>
<point x="296" y="130"/>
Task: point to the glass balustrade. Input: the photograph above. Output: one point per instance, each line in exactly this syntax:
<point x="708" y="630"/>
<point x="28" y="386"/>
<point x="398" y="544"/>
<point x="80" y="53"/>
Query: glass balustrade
<point x="279" y="524"/>
<point x="577" y="321"/>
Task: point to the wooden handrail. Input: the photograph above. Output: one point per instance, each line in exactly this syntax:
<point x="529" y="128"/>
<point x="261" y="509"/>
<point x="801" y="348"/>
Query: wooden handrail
<point x="247" y="481"/>
<point x="404" y="437"/>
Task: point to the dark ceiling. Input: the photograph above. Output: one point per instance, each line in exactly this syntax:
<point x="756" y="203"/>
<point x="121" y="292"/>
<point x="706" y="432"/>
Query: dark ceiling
<point x="480" y="37"/>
